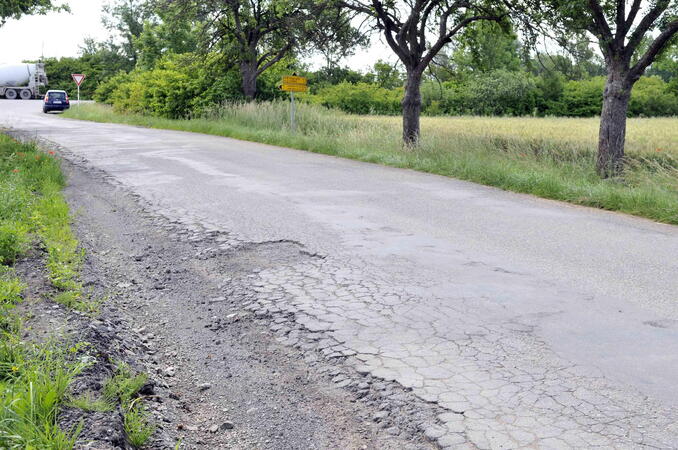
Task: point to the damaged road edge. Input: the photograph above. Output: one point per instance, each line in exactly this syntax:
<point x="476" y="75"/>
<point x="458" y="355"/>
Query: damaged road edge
<point x="52" y="356"/>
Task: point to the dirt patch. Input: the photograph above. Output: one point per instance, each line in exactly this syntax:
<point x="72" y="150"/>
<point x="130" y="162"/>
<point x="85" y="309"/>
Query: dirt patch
<point x="224" y="373"/>
<point x="99" y="342"/>
<point x="223" y="379"/>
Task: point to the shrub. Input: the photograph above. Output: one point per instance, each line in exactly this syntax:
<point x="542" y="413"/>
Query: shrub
<point x="500" y="92"/>
<point x="104" y="91"/>
<point x="580" y="98"/>
<point x="360" y="98"/>
<point x="652" y="97"/>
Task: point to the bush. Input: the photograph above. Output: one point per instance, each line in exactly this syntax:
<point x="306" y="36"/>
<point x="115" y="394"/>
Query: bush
<point x="186" y="86"/>
<point x="158" y="92"/>
<point x="360" y="98"/>
<point x="652" y="97"/>
<point x="500" y="92"/>
<point x="104" y="92"/>
<point x="580" y="98"/>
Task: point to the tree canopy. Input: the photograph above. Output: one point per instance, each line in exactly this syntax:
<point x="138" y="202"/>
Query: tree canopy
<point x="14" y="9"/>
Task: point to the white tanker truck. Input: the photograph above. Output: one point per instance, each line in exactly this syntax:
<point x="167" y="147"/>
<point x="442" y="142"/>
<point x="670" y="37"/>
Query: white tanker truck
<point x="22" y="81"/>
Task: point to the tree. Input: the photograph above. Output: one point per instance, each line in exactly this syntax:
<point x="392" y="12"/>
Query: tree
<point x="407" y="27"/>
<point x="334" y="37"/>
<point x="14" y="9"/>
<point x="486" y="46"/>
<point x="620" y="27"/>
<point x="126" y="18"/>
<point x="259" y="33"/>
<point x="168" y="36"/>
<point x="386" y="75"/>
<point x="666" y="65"/>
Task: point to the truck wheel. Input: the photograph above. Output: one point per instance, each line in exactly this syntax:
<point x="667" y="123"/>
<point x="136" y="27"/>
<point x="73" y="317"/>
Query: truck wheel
<point x="10" y="94"/>
<point x="25" y="94"/>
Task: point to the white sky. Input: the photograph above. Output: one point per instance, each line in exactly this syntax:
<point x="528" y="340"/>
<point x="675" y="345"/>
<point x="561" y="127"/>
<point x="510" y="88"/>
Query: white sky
<point x="62" y="34"/>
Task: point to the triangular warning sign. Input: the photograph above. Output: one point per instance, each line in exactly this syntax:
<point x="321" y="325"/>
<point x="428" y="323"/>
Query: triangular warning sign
<point x="78" y="78"/>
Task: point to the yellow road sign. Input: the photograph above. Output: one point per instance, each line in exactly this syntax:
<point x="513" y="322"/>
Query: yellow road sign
<point x="294" y="87"/>
<point x="293" y="79"/>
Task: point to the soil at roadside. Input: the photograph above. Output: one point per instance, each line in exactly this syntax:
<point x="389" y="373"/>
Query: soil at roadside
<point x="219" y="378"/>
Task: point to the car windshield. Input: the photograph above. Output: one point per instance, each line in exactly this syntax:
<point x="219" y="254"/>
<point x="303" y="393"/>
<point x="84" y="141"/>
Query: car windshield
<point x="57" y="96"/>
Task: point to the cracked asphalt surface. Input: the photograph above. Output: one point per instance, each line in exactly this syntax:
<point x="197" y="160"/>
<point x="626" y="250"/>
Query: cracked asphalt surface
<point x="533" y="323"/>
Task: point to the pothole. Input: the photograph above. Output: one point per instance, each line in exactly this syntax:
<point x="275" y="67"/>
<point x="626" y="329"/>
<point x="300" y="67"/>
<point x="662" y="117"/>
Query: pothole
<point x="265" y="255"/>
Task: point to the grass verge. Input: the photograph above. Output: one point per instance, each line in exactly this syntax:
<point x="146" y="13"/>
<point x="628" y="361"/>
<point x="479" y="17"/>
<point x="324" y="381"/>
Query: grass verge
<point x="533" y="161"/>
<point x="32" y="206"/>
<point x="33" y="377"/>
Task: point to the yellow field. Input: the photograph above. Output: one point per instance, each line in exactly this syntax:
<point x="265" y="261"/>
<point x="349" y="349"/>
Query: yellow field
<point x="643" y="135"/>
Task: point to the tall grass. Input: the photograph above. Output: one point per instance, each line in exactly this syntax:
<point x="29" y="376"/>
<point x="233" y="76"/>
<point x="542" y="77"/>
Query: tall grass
<point x="548" y="157"/>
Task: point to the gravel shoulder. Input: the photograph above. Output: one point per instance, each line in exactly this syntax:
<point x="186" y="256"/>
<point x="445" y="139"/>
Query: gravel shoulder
<point x="221" y="378"/>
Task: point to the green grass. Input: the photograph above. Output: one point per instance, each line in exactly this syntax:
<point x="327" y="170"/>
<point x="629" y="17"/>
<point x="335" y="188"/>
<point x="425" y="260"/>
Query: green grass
<point x="137" y="425"/>
<point x="548" y="157"/>
<point x="32" y="207"/>
<point x="88" y="401"/>
<point x="33" y="377"/>
<point x="123" y="387"/>
<point x="33" y="383"/>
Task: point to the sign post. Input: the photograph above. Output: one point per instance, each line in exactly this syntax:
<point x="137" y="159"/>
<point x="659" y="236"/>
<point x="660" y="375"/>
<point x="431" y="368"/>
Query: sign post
<point x="294" y="84"/>
<point x="293" y="110"/>
<point x="78" y="78"/>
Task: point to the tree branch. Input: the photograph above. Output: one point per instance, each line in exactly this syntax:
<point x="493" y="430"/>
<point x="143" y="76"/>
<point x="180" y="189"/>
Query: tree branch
<point x="635" y="7"/>
<point x="445" y="38"/>
<point x="645" y="24"/>
<point x="601" y="29"/>
<point x="275" y="59"/>
<point x="657" y="46"/>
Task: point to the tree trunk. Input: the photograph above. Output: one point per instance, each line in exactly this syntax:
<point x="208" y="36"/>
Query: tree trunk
<point x="248" y="71"/>
<point x="612" y="135"/>
<point x="411" y="108"/>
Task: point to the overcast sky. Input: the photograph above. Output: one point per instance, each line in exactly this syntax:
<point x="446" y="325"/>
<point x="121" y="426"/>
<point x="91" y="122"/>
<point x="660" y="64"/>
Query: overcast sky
<point x="59" y="34"/>
<point x="62" y="34"/>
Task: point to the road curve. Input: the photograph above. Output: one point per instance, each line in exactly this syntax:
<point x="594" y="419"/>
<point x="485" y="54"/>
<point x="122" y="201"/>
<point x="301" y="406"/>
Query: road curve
<point x="535" y="323"/>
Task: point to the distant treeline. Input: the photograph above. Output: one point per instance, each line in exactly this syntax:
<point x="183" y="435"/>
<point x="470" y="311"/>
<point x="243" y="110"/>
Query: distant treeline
<point x="502" y="93"/>
<point x="181" y="86"/>
<point x="159" y="70"/>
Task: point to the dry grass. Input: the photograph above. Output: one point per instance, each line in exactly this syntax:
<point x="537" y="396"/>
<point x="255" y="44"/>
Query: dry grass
<point x="644" y="135"/>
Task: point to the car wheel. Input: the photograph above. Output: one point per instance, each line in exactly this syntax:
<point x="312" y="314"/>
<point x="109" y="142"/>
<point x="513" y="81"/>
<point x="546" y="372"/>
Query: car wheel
<point x="25" y="94"/>
<point x="44" y="110"/>
<point x="10" y="94"/>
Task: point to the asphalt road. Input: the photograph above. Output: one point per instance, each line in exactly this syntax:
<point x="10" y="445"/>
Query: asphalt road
<point x="534" y="322"/>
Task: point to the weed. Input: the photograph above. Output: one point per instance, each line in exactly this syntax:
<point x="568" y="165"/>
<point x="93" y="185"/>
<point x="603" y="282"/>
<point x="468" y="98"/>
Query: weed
<point x="33" y="382"/>
<point x="137" y="425"/>
<point x="123" y="385"/>
<point x="88" y="401"/>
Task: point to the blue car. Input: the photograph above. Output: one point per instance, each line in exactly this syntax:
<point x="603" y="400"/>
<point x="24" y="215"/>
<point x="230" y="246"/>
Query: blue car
<point x="55" y="101"/>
